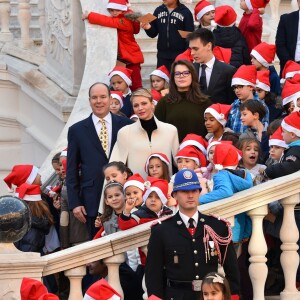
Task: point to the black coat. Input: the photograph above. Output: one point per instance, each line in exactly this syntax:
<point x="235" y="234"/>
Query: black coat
<point x="289" y="164"/>
<point x="34" y="239"/>
<point x="219" y="88"/>
<point x="286" y="37"/>
<point x="171" y="238"/>
<point x="231" y="37"/>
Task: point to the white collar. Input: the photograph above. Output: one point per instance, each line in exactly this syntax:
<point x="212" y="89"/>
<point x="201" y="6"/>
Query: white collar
<point x="107" y="118"/>
<point x="185" y="218"/>
<point x="128" y="93"/>
<point x="210" y="63"/>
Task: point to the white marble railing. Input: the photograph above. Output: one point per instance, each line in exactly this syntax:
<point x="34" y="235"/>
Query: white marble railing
<point x="111" y="248"/>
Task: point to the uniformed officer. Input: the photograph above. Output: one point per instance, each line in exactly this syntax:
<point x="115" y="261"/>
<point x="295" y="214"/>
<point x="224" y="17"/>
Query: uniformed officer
<point x="187" y="246"/>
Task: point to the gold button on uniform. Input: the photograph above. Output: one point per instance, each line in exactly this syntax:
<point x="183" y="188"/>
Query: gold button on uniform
<point x="196" y="264"/>
<point x="195" y="251"/>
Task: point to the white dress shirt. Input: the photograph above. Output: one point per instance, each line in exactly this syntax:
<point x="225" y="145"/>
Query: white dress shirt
<point x="98" y="126"/>
<point x="297" y="53"/>
<point x="185" y="219"/>
<point x="208" y="70"/>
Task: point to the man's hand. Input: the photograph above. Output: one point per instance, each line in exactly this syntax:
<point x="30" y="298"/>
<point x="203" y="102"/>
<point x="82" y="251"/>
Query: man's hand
<point x="80" y="213"/>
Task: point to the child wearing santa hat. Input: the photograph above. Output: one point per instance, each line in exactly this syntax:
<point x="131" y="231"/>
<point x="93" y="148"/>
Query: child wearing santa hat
<point x="171" y="16"/>
<point x="262" y="57"/>
<point x="291" y="96"/>
<point x="116" y="103"/>
<point x="251" y="23"/>
<point x="41" y="218"/>
<point x="290" y="161"/>
<point x="126" y="23"/>
<point x="204" y="13"/>
<point x="243" y="83"/>
<point x="157" y="165"/>
<point x="228" y="36"/>
<point x="159" y="80"/>
<point x="264" y="93"/>
<point x="277" y="146"/>
<point x="120" y="80"/>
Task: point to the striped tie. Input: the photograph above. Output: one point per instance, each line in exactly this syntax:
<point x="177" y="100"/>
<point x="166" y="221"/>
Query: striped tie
<point x="103" y="136"/>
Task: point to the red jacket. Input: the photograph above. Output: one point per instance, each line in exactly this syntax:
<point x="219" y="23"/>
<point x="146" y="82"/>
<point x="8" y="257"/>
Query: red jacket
<point x="251" y="28"/>
<point x="128" y="48"/>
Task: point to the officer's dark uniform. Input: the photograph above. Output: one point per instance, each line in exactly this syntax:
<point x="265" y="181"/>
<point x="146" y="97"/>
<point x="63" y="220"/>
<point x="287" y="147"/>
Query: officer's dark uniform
<point x="173" y="252"/>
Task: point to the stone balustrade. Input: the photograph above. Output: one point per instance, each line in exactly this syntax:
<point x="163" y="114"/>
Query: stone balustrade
<point x="112" y="248"/>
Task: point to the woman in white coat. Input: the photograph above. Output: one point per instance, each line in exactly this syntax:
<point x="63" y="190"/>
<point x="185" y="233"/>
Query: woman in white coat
<point x="147" y="135"/>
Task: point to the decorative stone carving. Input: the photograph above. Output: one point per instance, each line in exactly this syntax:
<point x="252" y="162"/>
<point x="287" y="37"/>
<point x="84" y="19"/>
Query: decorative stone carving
<point x="5" y="34"/>
<point x="42" y="22"/>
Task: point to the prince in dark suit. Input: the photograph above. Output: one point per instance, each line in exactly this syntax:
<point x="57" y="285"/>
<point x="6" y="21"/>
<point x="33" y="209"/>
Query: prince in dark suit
<point x="184" y="247"/>
<point x="287" y="37"/>
<point x="87" y="156"/>
<point x="214" y="75"/>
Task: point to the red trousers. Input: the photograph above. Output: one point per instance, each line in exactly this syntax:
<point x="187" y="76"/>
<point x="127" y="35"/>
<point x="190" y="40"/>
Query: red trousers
<point x="135" y="76"/>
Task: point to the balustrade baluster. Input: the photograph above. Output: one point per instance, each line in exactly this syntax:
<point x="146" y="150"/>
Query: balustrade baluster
<point x="289" y="258"/>
<point x="42" y="23"/>
<point x="258" y="269"/>
<point x="24" y="17"/>
<point x="75" y="276"/>
<point x="113" y="264"/>
<point x="5" y="34"/>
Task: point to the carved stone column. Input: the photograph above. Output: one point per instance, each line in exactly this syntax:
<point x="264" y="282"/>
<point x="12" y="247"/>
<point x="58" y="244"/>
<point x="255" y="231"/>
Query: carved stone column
<point x="24" y="17"/>
<point x="75" y="276"/>
<point x="258" y="269"/>
<point x="42" y="23"/>
<point x="289" y="258"/>
<point x="113" y="264"/>
<point x="5" y="34"/>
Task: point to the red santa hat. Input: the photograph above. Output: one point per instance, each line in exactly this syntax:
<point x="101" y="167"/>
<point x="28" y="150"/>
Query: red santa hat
<point x="276" y="139"/>
<point x="53" y="190"/>
<point x="222" y="54"/>
<point x="290" y="69"/>
<point x="256" y="3"/>
<point x="29" y="192"/>
<point x="263" y="80"/>
<point x="225" y="156"/>
<point x="163" y="157"/>
<point x="153" y="297"/>
<point x="160" y="186"/>
<point x="192" y="139"/>
<point x="214" y="143"/>
<point x="291" y="123"/>
<point x="192" y="153"/>
<point x="156" y="96"/>
<point x="264" y="53"/>
<point x="32" y="289"/>
<point x="124" y="73"/>
<point x="101" y="290"/>
<point x="186" y="55"/>
<point x="64" y="152"/>
<point x="135" y="180"/>
<point x="295" y="78"/>
<point x="162" y="72"/>
<point x="290" y="92"/>
<point x="202" y="8"/>
<point x="21" y="174"/>
<point x="225" y="16"/>
<point x="117" y="4"/>
<point x="117" y="95"/>
<point x="220" y="112"/>
<point x="245" y="75"/>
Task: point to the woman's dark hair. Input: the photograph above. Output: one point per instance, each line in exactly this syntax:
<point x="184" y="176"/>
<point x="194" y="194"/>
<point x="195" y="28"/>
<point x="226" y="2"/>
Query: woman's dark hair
<point x="287" y="108"/>
<point x="165" y="168"/>
<point x="231" y="136"/>
<point x="40" y="209"/>
<point x="107" y="209"/>
<point x="255" y="106"/>
<point x="218" y="281"/>
<point x="55" y="158"/>
<point x="120" y="166"/>
<point x="194" y="94"/>
<point x="270" y="99"/>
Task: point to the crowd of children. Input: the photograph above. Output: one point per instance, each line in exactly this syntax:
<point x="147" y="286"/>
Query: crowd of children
<point x="253" y="140"/>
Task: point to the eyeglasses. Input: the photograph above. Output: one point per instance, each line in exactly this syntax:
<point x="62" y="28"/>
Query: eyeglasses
<point x="183" y="74"/>
<point x="237" y="87"/>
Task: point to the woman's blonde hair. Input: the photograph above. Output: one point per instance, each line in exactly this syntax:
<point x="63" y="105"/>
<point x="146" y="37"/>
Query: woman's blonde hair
<point x="142" y="92"/>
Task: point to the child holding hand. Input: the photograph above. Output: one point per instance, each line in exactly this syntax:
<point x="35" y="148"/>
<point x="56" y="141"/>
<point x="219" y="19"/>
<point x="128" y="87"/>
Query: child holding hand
<point x="129" y="51"/>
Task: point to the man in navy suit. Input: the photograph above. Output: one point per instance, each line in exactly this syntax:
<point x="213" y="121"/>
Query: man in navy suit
<point x="86" y="156"/>
<point x="288" y="38"/>
<point x="214" y="75"/>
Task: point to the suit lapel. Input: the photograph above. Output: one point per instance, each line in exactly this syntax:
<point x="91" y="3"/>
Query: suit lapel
<point x="92" y="134"/>
<point x="215" y="74"/>
<point x="182" y="230"/>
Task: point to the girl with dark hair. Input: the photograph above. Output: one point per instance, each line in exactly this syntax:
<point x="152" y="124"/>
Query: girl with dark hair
<point x="185" y="104"/>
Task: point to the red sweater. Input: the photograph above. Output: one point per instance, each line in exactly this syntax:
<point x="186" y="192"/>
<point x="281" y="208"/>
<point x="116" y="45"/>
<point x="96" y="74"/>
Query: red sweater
<point x="251" y="28"/>
<point x="128" y="48"/>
